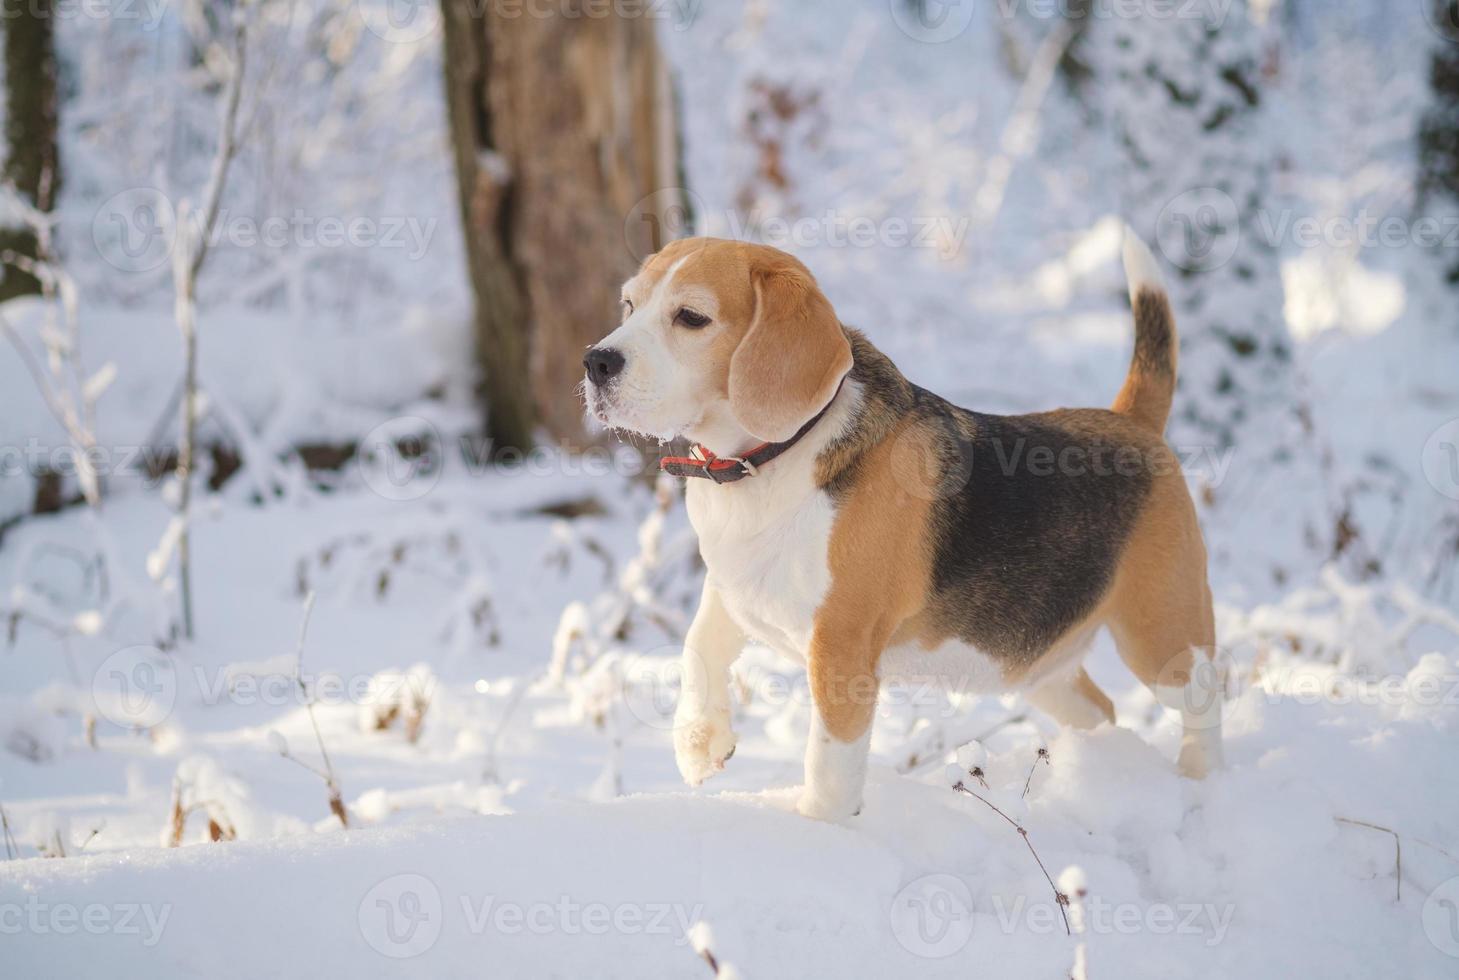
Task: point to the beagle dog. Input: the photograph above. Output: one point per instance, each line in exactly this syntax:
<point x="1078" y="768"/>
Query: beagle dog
<point x="876" y="533"/>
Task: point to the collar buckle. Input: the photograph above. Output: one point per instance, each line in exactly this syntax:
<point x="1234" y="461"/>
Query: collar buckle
<point x="724" y="474"/>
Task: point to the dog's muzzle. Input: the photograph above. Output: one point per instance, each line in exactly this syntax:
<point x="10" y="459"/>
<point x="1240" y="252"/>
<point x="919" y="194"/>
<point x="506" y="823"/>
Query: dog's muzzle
<point x="602" y="364"/>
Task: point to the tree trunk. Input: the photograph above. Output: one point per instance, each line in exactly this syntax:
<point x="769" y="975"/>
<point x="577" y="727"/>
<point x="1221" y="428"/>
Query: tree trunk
<point x="31" y="159"/>
<point x="565" y="157"/>
<point x="1438" y="135"/>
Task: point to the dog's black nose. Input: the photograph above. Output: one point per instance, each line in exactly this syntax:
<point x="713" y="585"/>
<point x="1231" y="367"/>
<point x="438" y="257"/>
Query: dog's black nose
<point x="602" y="363"/>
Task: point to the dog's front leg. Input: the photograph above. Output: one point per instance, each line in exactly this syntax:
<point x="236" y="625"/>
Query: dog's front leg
<point x="703" y="737"/>
<point x="843" y="691"/>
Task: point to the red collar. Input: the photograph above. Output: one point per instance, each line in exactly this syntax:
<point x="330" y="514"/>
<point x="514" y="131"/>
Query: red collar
<point x="728" y="469"/>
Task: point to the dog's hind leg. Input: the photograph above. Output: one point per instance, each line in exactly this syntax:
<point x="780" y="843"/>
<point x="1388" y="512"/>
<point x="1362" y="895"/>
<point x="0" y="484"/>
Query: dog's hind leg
<point x="1182" y="670"/>
<point x="1073" y="700"/>
<point x="1163" y="624"/>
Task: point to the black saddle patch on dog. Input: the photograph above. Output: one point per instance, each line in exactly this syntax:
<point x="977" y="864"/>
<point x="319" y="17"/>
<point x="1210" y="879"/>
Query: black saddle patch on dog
<point x="1031" y="516"/>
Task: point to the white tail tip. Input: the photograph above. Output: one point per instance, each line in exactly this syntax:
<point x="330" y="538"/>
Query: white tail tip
<point x="1141" y="269"/>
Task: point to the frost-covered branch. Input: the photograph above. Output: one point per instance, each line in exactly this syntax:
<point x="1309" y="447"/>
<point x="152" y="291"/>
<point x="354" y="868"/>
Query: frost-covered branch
<point x="12" y="851"/>
<point x="190" y="251"/>
<point x="69" y="393"/>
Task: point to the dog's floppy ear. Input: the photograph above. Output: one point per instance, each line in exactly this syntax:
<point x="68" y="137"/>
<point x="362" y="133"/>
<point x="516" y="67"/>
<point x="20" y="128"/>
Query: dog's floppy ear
<point x="789" y="364"/>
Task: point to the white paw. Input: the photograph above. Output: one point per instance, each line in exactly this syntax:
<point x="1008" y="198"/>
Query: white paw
<point x="1199" y="756"/>
<point x="819" y="806"/>
<point x="702" y="746"/>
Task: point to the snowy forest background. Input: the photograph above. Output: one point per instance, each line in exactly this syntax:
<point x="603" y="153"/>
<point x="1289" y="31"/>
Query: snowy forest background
<point x="333" y="638"/>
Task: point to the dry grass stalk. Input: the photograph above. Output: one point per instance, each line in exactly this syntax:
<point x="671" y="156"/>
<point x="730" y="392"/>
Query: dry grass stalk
<point x="331" y="781"/>
<point x="1043" y="756"/>
<point x="1060" y="898"/>
<point x="177" y="816"/>
<point x="52" y="848"/>
<point x="416" y="716"/>
<point x="1397" y="852"/>
<point x="12" y="850"/>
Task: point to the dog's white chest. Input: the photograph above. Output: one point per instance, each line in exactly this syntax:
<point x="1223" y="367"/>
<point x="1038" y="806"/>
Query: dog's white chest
<point x="767" y="559"/>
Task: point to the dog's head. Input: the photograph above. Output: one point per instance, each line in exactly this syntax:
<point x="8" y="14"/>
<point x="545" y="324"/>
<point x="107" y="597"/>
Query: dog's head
<point x="719" y="340"/>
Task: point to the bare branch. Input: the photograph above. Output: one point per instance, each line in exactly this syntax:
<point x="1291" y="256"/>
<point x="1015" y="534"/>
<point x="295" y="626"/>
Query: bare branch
<point x="227" y="145"/>
<point x="12" y="850"/>
<point x="1397" y="851"/>
<point x="331" y="782"/>
<point x="1043" y="756"/>
<point x="1060" y="898"/>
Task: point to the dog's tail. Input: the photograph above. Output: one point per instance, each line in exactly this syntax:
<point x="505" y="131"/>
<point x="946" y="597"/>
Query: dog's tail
<point x="1150" y="385"/>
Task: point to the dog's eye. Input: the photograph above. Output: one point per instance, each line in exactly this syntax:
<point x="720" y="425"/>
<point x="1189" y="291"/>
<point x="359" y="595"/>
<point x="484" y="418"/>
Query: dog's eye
<point x="690" y="318"/>
<point x="627" y="305"/>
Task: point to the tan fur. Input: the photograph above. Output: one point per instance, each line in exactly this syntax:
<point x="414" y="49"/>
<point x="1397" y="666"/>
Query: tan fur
<point x="789" y="365"/>
<point x="1149" y="386"/>
<point x="1074" y="701"/>
<point x="879" y="581"/>
<point x="784" y="352"/>
<point x="1160" y="604"/>
<point x="1087" y="689"/>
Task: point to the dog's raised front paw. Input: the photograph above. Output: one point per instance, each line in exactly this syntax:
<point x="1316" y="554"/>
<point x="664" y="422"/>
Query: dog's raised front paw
<point x="702" y="747"/>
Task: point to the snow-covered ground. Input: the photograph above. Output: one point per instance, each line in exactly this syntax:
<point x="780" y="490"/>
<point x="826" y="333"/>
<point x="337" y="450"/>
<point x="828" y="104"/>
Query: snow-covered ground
<point x="488" y="659"/>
